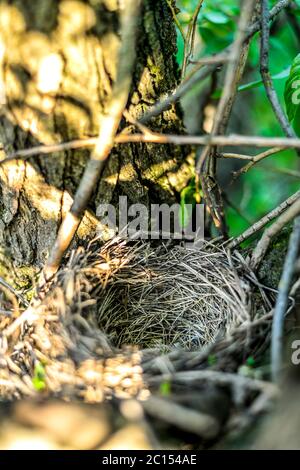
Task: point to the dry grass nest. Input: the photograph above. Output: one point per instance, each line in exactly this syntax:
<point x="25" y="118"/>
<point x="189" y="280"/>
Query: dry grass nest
<point x="165" y="298"/>
<point x="118" y="314"/>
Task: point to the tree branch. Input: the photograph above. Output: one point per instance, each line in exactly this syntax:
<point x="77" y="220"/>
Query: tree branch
<point x="264" y="221"/>
<point x="263" y="244"/>
<point x="232" y="140"/>
<point x="265" y="72"/>
<point x="200" y="73"/>
<point x="105" y="141"/>
<point x="256" y="159"/>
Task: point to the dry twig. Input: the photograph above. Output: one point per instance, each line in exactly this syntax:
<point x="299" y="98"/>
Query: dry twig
<point x="232" y="140"/>
<point x="263" y="244"/>
<point x="256" y="159"/>
<point x="200" y="73"/>
<point x="234" y="72"/>
<point x="190" y="38"/>
<point x="265" y="72"/>
<point x="264" y="221"/>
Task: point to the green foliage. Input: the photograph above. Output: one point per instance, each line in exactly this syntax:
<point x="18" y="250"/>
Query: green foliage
<point x="218" y="24"/>
<point x="216" y="27"/>
<point x="250" y="361"/>
<point x="297" y="3"/>
<point x="188" y="200"/>
<point x="39" y="376"/>
<point x="292" y="94"/>
<point x="165" y="388"/>
<point x="212" y="360"/>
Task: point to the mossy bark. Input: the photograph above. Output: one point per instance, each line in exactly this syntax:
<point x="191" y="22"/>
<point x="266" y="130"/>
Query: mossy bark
<point x="58" y="62"/>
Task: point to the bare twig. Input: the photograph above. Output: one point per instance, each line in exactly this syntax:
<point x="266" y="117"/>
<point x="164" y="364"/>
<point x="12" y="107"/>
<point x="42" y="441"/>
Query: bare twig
<point x="234" y="72"/>
<point x="263" y="244"/>
<point x="108" y="129"/>
<point x="214" y="59"/>
<point x="236" y="156"/>
<point x="264" y="221"/>
<point x="282" y="301"/>
<point x="176" y="21"/>
<point x="190" y="38"/>
<point x="197" y="75"/>
<point x="13" y="291"/>
<point x="265" y="72"/>
<point x="200" y="73"/>
<point x="232" y="140"/>
<point x="129" y="118"/>
<point x="254" y="160"/>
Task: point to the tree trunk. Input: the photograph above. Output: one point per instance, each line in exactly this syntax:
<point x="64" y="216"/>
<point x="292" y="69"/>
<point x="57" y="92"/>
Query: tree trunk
<point x="58" y="62"/>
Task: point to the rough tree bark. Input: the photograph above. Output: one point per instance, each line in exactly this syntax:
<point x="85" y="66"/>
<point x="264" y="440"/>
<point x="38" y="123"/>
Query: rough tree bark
<point x="58" y="61"/>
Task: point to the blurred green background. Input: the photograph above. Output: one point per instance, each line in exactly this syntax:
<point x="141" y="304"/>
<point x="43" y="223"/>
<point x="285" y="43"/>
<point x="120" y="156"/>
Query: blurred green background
<point x="275" y="178"/>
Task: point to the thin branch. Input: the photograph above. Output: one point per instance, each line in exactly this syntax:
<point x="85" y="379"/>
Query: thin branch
<point x="129" y="118"/>
<point x="232" y="77"/>
<point x="264" y="221"/>
<point x="232" y="140"/>
<point x="282" y="301"/>
<point x="190" y="38"/>
<point x="176" y="21"/>
<point x="200" y="73"/>
<point x="236" y="156"/>
<point x="214" y="59"/>
<point x="265" y="72"/>
<point x="234" y="72"/>
<point x="263" y="244"/>
<point x="256" y="159"/>
<point x="13" y="291"/>
<point x="235" y="69"/>
<point x="197" y="75"/>
<point x="108" y="129"/>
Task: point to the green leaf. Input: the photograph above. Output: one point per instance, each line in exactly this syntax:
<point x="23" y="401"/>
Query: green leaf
<point x="186" y="197"/>
<point x="216" y="17"/>
<point x="250" y="361"/>
<point x="292" y="95"/>
<point x="165" y="388"/>
<point x="39" y="376"/>
<point x="188" y="200"/>
<point x="212" y="359"/>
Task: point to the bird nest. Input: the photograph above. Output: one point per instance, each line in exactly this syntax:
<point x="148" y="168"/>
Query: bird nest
<point x="166" y="298"/>
<point x="118" y="315"/>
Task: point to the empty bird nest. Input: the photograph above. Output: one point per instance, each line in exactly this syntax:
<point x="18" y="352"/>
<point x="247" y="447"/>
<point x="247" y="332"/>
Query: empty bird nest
<point x="120" y="314"/>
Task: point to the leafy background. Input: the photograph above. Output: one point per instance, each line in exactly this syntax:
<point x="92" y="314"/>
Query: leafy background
<point x="277" y="177"/>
